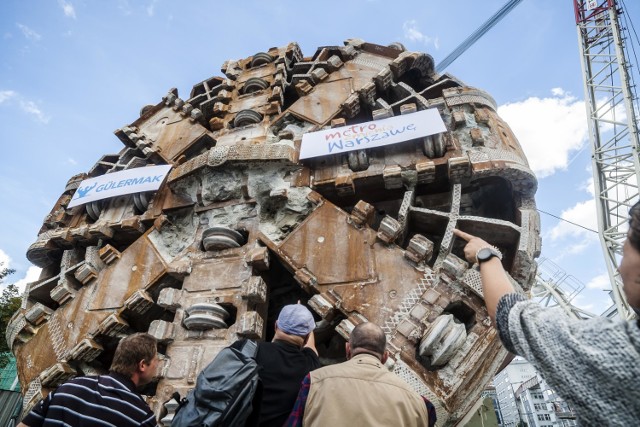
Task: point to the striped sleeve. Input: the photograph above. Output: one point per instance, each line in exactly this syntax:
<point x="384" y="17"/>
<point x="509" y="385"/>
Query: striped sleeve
<point x="35" y="418"/>
<point x="97" y="401"/>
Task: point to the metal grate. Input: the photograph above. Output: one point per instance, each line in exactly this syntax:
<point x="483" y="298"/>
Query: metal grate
<point x="408" y="303"/>
<point x="409" y="376"/>
<point x="35" y="387"/>
<point x="472" y="280"/>
<point x="55" y="334"/>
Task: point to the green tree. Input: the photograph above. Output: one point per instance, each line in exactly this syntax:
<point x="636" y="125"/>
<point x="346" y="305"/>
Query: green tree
<point x="9" y="302"/>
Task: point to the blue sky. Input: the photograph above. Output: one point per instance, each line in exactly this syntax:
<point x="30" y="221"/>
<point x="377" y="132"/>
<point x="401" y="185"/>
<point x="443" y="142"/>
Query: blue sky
<point x="71" y="72"/>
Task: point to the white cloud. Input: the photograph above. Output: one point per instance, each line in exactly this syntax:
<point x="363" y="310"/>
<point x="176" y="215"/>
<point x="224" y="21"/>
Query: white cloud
<point x="30" y="107"/>
<point x="576" y="238"/>
<point x="585" y="303"/>
<point x="67" y="8"/>
<point x="27" y="106"/>
<point x="6" y="95"/>
<point x="412" y="33"/>
<point x="578" y="246"/>
<point x="595" y="303"/>
<point x="151" y="7"/>
<point x="549" y="129"/>
<point x="600" y="282"/>
<point x="72" y="161"/>
<point x="124" y="7"/>
<point x="33" y="274"/>
<point x="29" y="33"/>
<point x="583" y="214"/>
<point x="589" y="186"/>
<point x="5" y="260"/>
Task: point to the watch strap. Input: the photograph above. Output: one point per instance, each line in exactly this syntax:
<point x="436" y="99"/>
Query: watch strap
<point x="495" y="252"/>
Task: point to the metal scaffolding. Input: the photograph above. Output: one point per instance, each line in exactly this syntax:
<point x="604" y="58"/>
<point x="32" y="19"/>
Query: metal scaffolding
<point x="613" y="131"/>
<point x="555" y="288"/>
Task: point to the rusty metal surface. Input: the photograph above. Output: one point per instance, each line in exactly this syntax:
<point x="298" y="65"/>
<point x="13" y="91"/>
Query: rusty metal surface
<point x="241" y="228"/>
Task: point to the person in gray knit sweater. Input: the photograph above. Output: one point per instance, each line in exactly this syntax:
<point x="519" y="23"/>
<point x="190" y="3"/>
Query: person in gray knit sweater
<point x="592" y="364"/>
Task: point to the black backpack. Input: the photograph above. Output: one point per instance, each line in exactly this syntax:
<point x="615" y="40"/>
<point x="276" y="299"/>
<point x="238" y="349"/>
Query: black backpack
<point x="227" y="393"/>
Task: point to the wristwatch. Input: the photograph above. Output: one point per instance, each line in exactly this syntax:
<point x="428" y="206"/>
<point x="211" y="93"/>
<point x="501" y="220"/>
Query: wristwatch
<point x="486" y="253"/>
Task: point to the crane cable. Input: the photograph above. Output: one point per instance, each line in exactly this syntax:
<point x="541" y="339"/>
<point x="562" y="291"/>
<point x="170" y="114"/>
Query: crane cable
<point x="477" y="34"/>
<point x="566" y="220"/>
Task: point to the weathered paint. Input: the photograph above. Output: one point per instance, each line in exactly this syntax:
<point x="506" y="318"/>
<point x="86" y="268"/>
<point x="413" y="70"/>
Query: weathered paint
<point x="364" y="237"/>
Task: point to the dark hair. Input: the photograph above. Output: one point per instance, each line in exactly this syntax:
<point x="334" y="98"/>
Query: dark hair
<point x="131" y="350"/>
<point x="634" y="226"/>
<point x="367" y="338"/>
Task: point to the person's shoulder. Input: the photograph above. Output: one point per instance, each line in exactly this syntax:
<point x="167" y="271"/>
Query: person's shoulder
<point x="311" y="356"/>
<point x="264" y="348"/>
<point x="329" y="370"/>
<point x="116" y="381"/>
<point x="309" y="351"/>
<point x="78" y="386"/>
<point x="81" y="380"/>
<point x="264" y="344"/>
<point x="615" y="328"/>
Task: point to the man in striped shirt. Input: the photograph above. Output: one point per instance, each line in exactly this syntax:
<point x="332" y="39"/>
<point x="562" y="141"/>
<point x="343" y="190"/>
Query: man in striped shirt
<point x="105" y="400"/>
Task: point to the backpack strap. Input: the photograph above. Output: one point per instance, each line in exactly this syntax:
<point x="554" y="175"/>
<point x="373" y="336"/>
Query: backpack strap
<point x="250" y="349"/>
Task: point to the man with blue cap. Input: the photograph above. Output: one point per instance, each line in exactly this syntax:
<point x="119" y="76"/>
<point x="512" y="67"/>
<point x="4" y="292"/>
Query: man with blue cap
<point x="285" y="361"/>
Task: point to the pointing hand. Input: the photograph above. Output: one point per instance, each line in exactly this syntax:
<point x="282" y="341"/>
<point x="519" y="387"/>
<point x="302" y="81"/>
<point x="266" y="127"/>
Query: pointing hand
<point x="474" y="244"/>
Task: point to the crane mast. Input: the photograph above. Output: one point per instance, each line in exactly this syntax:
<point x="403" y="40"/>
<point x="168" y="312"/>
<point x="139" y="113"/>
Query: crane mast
<point x="613" y="131"/>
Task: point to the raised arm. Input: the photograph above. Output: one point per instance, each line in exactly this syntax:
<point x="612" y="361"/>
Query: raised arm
<point x="310" y="342"/>
<point x="495" y="283"/>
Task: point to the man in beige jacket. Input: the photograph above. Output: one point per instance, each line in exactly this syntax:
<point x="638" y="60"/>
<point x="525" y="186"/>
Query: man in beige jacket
<point x="360" y="391"/>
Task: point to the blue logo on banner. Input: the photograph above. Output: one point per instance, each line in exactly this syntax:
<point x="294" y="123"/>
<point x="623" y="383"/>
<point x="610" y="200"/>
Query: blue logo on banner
<point x="81" y="192"/>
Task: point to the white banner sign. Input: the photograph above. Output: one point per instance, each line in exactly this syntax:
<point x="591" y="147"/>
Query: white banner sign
<point x="128" y="181"/>
<point x="371" y="134"/>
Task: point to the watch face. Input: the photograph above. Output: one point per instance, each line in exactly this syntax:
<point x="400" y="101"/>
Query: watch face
<point x="484" y="254"/>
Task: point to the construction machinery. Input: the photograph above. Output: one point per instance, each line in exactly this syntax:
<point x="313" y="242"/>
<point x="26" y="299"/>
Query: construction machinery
<point x="242" y="226"/>
<point x="611" y="103"/>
